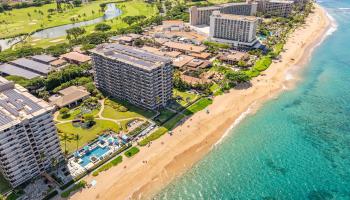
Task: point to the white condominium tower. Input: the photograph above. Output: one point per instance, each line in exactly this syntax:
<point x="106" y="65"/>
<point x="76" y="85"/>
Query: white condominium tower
<point x="281" y="8"/>
<point x="129" y="73"/>
<point x="28" y="139"/>
<point x="201" y="15"/>
<point x="236" y="30"/>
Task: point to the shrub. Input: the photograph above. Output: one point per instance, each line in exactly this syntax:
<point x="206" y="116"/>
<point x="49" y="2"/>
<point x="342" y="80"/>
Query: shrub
<point x="108" y="165"/>
<point x="131" y="152"/>
<point x="102" y="27"/>
<point x="81" y="184"/>
<point x="155" y="135"/>
<point x="51" y="195"/>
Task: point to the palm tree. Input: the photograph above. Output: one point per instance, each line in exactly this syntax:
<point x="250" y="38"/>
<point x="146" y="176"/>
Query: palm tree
<point x="77" y="138"/>
<point x="65" y="138"/>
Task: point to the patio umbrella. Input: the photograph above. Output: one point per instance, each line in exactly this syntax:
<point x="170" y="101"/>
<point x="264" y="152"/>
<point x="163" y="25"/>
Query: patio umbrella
<point x="93" y="183"/>
<point x="86" y="148"/>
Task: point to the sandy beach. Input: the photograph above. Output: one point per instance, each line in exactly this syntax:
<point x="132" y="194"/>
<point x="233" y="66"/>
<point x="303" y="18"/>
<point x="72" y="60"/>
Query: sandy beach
<point x="170" y="156"/>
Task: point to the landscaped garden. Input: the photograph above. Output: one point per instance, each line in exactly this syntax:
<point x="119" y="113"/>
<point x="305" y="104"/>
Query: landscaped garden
<point x="74" y="136"/>
<point x="164" y="115"/>
<point x="198" y="106"/>
<point x="115" y="109"/>
<point x="181" y="99"/>
<point x="76" y="113"/>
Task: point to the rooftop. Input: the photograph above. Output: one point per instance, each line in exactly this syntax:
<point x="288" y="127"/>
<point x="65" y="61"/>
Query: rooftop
<point x="185" y="47"/>
<point x="222" y="6"/>
<point x="281" y="1"/>
<point x="234" y="17"/>
<point x="32" y="65"/>
<point x="173" y="22"/>
<point x="182" y="60"/>
<point x="17" y="71"/>
<point x="44" y="58"/>
<point x="131" y="55"/>
<point x="76" y="56"/>
<point x="17" y="104"/>
<point x="69" y="95"/>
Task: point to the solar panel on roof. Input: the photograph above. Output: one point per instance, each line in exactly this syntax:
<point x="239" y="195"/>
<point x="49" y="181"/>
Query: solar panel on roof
<point x="4" y="119"/>
<point x="32" y="65"/>
<point x="13" y="95"/>
<point x="18" y="71"/>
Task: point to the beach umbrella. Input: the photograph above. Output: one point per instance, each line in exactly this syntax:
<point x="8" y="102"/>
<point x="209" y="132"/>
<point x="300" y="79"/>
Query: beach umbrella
<point x="86" y="148"/>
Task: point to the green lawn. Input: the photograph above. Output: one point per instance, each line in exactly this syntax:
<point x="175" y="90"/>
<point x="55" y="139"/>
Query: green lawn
<point x="111" y="112"/>
<point x="198" y="106"/>
<point x="74" y="113"/>
<point x="164" y="115"/>
<point x="86" y="135"/>
<point x="153" y="136"/>
<point x="173" y="121"/>
<point x="216" y="90"/>
<point x="109" y="165"/>
<point x="185" y="98"/>
<point x="130" y="8"/>
<point x="17" y="21"/>
<point x="169" y="125"/>
<point x="131" y="152"/>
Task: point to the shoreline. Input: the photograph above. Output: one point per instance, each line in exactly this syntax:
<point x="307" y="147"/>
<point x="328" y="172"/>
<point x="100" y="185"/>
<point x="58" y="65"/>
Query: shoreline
<point x="171" y="156"/>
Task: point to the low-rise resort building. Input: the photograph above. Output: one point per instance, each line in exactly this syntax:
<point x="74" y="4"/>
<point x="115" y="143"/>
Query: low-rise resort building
<point x="28" y="137"/>
<point x="132" y="74"/>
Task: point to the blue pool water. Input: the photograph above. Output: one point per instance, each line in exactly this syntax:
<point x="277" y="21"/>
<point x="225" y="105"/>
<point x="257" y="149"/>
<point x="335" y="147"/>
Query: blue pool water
<point x="97" y="152"/>
<point x="295" y="147"/>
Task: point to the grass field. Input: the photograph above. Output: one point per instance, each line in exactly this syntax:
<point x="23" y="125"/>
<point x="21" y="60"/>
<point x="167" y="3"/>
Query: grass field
<point x="164" y="115"/>
<point x="86" y="135"/>
<point x="131" y="152"/>
<point x="198" y="106"/>
<point x="133" y="111"/>
<point x="130" y="8"/>
<point x="173" y="121"/>
<point x="27" y="20"/>
<point x="182" y="99"/>
<point x="74" y="113"/>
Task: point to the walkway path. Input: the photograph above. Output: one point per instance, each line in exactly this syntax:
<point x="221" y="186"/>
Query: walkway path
<point x="99" y="116"/>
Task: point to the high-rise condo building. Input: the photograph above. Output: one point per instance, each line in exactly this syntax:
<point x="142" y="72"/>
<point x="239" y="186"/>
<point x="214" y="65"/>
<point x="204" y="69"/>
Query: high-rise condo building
<point x="282" y="8"/>
<point x="236" y="30"/>
<point x="129" y="73"/>
<point x="28" y="138"/>
<point x="201" y="15"/>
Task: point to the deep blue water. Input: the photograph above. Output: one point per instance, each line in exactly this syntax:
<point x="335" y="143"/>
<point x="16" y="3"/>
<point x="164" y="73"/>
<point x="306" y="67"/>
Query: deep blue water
<point x="295" y="147"/>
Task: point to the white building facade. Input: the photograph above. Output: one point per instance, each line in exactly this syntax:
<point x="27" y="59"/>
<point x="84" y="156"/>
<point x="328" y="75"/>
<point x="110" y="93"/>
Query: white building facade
<point x="236" y="30"/>
<point x="29" y="143"/>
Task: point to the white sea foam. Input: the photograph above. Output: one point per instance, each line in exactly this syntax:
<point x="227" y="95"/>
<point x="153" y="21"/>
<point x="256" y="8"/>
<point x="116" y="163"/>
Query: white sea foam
<point x="289" y="76"/>
<point x="235" y="123"/>
<point x="344" y="8"/>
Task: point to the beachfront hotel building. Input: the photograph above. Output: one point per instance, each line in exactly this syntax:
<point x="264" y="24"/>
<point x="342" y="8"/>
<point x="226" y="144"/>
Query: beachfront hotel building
<point x="132" y="74"/>
<point x="237" y="30"/>
<point x="281" y="8"/>
<point x="201" y="15"/>
<point x="28" y="136"/>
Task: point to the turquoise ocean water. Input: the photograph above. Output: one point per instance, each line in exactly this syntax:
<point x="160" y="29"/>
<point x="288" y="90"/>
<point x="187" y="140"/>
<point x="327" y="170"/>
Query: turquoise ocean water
<point x="294" y="147"/>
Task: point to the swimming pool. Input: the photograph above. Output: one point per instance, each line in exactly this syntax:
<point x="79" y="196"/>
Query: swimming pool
<point x="97" y="152"/>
